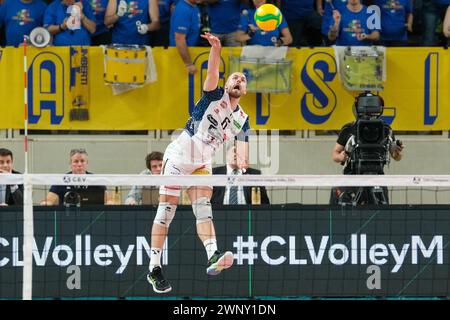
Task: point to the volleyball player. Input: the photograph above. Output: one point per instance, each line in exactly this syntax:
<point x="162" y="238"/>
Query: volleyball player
<point x="216" y="118"/>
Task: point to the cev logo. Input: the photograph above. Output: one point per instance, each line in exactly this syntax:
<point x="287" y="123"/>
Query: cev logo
<point x="69" y="179"/>
<point x="46" y="76"/>
<point x="319" y="101"/>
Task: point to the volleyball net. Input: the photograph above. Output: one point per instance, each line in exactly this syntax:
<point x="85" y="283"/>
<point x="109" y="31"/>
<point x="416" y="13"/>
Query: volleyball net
<point x="316" y="238"/>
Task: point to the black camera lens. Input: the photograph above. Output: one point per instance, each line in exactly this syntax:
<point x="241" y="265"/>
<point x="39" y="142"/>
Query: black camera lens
<point x="371" y="133"/>
<point x="72" y="199"/>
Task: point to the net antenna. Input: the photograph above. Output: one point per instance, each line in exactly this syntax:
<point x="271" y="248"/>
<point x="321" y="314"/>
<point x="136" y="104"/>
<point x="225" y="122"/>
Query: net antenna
<point x="28" y="228"/>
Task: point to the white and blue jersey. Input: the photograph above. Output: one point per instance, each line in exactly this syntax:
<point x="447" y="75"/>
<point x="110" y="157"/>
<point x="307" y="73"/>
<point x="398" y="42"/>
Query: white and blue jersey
<point x="213" y="122"/>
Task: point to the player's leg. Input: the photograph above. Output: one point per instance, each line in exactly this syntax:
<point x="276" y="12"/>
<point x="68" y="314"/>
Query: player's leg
<point x="164" y="216"/>
<point x="168" y="201"/>
<point x="201" y="206"/>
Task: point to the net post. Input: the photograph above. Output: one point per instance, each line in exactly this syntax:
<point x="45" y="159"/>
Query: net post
<point x="28" y="236"/>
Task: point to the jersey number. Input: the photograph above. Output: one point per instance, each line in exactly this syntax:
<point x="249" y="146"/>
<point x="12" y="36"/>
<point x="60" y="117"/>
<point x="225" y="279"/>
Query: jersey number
<point x="225" y="123"/>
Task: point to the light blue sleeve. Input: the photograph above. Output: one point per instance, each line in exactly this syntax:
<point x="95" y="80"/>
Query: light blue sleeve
<point x="181" y="22"/>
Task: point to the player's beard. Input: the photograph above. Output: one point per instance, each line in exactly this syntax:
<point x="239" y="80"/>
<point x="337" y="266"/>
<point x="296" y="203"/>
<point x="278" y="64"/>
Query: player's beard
<point x="234" y="94"/>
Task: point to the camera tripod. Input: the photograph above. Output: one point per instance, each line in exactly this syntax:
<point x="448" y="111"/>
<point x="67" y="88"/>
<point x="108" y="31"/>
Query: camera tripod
<point x="374" y="195"/>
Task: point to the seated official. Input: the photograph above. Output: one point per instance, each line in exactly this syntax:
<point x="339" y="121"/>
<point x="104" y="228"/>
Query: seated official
<point x="344" y="153"/>
<point x="9" y="194"/>
<point x="78" y="165"/>
<point x="137" y="194"/>
<point x="235" y="194"/>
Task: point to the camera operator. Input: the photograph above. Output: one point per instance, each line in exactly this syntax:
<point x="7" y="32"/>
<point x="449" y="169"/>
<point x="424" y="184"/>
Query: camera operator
<point x="367" y="109"/>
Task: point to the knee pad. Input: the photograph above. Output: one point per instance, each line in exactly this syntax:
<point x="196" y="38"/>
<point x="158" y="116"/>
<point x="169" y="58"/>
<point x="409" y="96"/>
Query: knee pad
<point x="165" y="214"/>
<point x="202" y="210"/>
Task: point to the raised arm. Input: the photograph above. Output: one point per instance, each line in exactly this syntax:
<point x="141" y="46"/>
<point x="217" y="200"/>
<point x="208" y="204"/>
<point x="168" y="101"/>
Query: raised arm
<point x="212" y="75"/>
<point x="333" y="33"/>
<point x="153" y="12"/>
<point x="286" y="36"/>
<point x="112" y="14"/>
<point x="86" y="21"/>
<point x="446" y="25"/>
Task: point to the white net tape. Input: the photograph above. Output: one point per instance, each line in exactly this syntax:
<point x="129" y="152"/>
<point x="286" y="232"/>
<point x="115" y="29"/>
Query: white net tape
<point x="224" y="180"/>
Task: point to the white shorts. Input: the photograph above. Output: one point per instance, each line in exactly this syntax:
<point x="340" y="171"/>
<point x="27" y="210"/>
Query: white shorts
<point x="177" y="161"/>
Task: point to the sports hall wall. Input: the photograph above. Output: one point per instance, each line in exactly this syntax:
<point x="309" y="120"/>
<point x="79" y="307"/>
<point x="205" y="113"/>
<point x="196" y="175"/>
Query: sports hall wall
<point x="125" y="155"/>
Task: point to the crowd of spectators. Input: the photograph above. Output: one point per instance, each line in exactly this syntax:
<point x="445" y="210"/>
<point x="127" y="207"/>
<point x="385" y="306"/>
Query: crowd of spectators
<point x="180" y="22"/>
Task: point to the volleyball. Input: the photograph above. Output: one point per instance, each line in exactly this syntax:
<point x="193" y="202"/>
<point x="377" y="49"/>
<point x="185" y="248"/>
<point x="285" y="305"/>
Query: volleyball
<point x="268" y="17"/>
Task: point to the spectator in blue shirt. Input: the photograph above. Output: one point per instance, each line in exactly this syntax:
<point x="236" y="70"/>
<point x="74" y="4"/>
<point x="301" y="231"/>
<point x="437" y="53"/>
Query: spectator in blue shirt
<point x="102" y="33"/>
<point x="351" y="28"/>
<point x="161" y="37"/>
<point x="224" y="16"/>
<point x="132" y="20"/>
<point x="60" y="22"/>
<point x="396" y="20"/>
<point x="185" y="30"/>
<point x="304" y="22"/>
<point x="327" y="15"/>
<point x="250" y="33"/>
<point x="20" y="17"/>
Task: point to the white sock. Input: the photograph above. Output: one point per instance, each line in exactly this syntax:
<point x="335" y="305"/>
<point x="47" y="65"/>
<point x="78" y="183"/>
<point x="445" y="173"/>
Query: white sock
<point x="210" y="246"/>
<point x="155" y="258"/>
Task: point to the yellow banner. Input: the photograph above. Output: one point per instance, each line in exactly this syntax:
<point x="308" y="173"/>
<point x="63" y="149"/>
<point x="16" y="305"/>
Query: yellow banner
<point x="416" y="94"/>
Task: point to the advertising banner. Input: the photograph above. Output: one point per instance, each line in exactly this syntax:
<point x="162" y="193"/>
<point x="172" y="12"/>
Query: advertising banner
<point x="279" y="251"/>
<point x="66" y="90"/>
